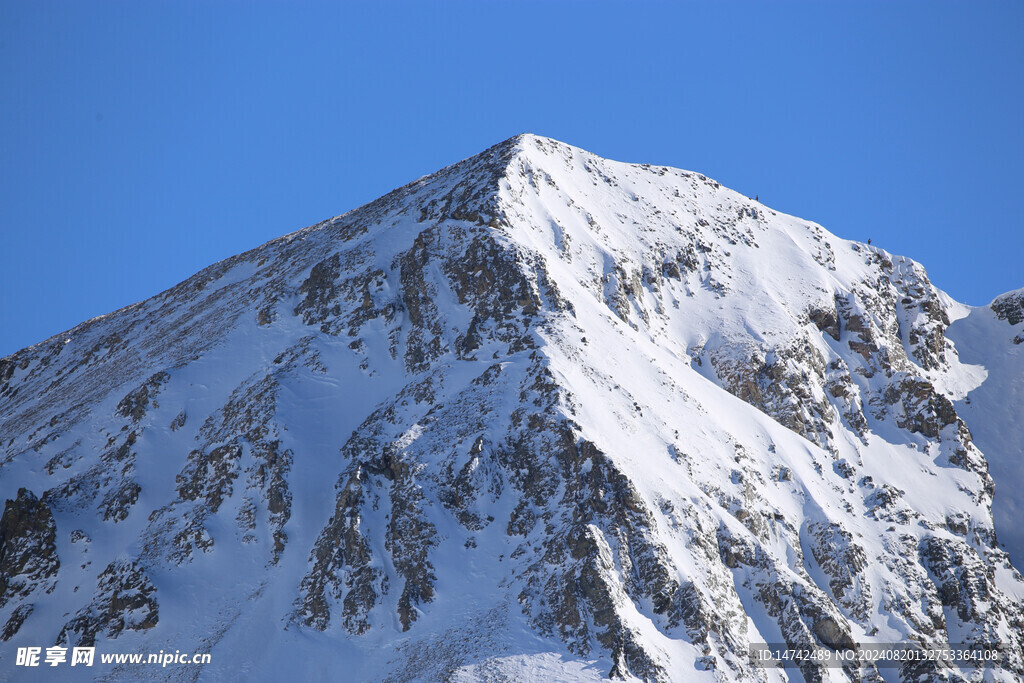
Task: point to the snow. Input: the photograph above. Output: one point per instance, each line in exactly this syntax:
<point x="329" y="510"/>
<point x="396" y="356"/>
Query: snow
<point x="993" y="410"/>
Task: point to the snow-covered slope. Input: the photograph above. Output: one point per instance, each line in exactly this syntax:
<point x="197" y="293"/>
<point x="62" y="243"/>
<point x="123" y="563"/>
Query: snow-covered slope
<point x="538" y="416"/>
<point x="992" y="337"/>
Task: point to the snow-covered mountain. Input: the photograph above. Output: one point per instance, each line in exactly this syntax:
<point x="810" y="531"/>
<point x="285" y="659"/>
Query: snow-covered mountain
<point x="538" y="416"/>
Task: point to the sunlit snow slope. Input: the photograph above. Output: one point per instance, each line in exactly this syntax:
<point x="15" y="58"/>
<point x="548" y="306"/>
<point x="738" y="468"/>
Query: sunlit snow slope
<point x="538" y="416"/>
<point x="993" y="337"/>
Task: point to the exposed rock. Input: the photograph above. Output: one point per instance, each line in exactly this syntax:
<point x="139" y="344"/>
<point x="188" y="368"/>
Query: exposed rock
<point x="1010" y="307"/>
<point x="342" y="568"/>
<point x="135" y="404"/>
<point x="28" y="550"/>
<point x="924" y="410"/>
<point x="14" y="622"/>
<point x="825" y="320"/>
<point x="843" y="561"/>
<point x="125" y="600"/>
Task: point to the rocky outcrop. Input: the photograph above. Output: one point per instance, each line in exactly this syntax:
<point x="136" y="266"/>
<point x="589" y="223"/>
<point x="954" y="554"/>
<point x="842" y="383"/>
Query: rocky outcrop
<point x="843" y="561"/>
<point x="1010" y="307"/>
<point x="342" y="569"/>
<point x="125" y="600"/>
<point x="788" y="383"/>
<point x="238" y="444"/>
<point x="15" y="621"/>
<point x="28" y="551"/>
<point x="135" y="404"/>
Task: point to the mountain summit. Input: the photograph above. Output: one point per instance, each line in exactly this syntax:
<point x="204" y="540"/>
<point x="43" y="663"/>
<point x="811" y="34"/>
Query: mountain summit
<point x="540" y="416"/>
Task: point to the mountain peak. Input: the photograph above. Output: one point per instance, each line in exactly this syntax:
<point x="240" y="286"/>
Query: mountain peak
<point x="538" y="411"/>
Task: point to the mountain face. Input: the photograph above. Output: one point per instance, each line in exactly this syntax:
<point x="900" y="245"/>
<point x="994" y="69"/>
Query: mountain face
<point x="537" y="416"/>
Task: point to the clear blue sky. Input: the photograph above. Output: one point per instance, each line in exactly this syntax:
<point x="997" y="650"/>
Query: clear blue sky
<point x="142" y="141"/>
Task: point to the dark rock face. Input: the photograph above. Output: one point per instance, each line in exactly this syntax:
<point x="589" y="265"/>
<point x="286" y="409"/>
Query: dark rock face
<point x="14" y="622"/>
<point x="924" y="410"/>
<point x="134" y="405"/>
<point x="782" y="385"/>
<point x="125" y="600"/>
<point x="1010" y="308"/>
<point x="28" y="551"/>
<point x="965" y="584"/>
<point x="571" y="590"/>
<point x="341" y="546"/>
<point x="239" y="445"/>
<point x="826" y="320"/>
<point x="843" y="560"/>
